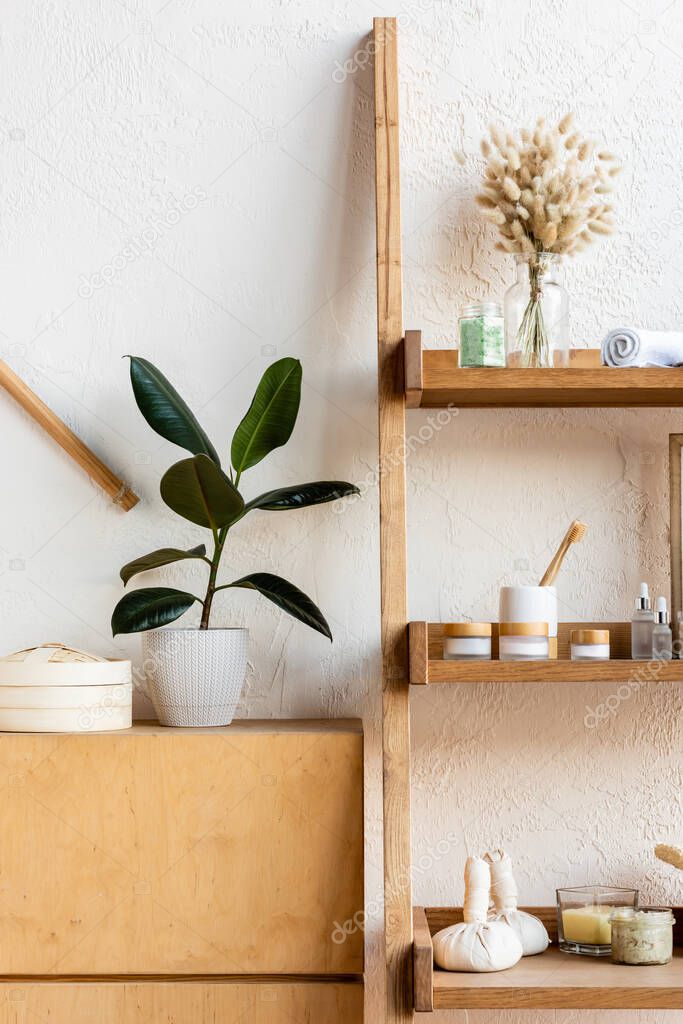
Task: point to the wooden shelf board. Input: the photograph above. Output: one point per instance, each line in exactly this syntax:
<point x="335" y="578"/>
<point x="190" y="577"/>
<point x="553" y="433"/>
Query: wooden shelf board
<point x="427" y="666"/>
<point x="556" y="980"/>
<point x="560" y="671"/>
<point x="147" y="727"/>
<point x="552" y="980"/>
<point x="435" y="381"/>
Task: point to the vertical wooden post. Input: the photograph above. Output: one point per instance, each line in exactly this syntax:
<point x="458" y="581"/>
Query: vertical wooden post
<point x="392" y="503"/>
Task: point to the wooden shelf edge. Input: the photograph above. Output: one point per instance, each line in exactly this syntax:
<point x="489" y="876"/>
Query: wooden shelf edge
<point x="552" y="980"/>
<point x="428" y="667"/>
<point x="423" y="962"/>
<point x="623" y="671"/>
<point x="435" y="380"/>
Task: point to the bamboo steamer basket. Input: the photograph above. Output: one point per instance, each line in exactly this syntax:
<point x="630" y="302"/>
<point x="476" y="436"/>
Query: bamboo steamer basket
<point x="85" y="719"/>
<point x="56" y="688"/>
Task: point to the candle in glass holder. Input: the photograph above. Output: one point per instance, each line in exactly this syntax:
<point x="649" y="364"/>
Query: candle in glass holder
<point x="584" y="917"/>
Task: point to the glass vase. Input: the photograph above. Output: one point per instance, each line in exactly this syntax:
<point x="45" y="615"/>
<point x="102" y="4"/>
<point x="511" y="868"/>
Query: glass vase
<point x="536" y="310"/>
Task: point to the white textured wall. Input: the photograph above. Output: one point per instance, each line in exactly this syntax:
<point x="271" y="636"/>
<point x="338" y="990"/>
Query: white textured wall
<point x="112" y="112"/>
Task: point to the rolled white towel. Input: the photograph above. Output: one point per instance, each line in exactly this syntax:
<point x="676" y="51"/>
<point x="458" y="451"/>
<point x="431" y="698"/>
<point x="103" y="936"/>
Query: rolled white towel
<point x="630" y="346"/>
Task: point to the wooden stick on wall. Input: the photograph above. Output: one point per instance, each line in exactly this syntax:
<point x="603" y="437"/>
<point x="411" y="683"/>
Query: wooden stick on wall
<point x="392" y="499"/>
<point x="72" y="445"/>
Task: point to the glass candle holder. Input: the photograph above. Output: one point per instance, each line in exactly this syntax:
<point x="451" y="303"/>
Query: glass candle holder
<point x="584" y="917"/>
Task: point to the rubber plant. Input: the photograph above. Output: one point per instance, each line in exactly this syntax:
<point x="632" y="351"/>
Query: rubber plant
<point x="201" y="491"/>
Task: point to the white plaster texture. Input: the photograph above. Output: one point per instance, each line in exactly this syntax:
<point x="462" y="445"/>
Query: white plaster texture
<point x="113" y="112"/>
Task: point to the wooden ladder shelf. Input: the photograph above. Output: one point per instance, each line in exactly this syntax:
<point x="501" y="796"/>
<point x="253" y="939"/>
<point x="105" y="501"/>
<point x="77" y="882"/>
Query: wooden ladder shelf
<point x="412" y="377"/>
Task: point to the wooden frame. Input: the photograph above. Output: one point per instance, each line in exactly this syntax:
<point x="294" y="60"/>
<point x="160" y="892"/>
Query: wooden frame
<point x="118" y="491"/>
<point x="392" y="533"/>
<point x="411" y="377"/>
<point x="675" y="496"/>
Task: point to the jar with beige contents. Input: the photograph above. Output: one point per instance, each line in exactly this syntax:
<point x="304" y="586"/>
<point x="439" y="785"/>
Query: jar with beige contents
<point x="642" y="935"/>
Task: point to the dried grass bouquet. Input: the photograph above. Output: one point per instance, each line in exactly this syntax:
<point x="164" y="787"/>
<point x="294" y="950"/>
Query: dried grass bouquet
<point x="547" y="191"/>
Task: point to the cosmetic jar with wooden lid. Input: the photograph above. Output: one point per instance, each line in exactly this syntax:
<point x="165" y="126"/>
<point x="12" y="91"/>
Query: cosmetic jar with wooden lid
<point x="589" y="644"/>
<point x="523" y="641"/>
<point x="467" y="641"/>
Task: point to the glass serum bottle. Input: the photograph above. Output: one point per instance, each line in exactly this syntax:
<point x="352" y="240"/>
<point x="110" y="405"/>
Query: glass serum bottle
<point x="642" y="626"/>
<point x="662" y="645"/>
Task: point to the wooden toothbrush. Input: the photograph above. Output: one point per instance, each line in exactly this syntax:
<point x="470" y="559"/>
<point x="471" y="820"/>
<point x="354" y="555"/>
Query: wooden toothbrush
<point x="574" y="534"/>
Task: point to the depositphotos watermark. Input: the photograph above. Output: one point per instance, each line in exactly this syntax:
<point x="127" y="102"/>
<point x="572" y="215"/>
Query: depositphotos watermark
<point x="399" y="456"/>
<point x="141" y="243"/>
<point x="425" y="864"/>
<point x="649" y="673"/>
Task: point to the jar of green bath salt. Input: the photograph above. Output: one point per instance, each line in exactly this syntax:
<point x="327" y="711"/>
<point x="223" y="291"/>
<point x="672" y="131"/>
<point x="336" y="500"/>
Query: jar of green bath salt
<point x="482" y="340"/>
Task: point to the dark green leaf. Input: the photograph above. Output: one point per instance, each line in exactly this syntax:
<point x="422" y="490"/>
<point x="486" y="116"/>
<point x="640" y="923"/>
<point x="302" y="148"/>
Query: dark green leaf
<point x="165" y="411"/>
<point x="149" y="609"/>
<point x="286" y="596"/>
<point x="272" y="414"/>
<point x="198" y="490"/>
<point x="302" y="495"/>
<point x="155" y="559"/>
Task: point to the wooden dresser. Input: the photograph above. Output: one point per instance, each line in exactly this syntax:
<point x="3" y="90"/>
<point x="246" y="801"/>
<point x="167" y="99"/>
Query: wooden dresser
<point x="182" y="876"/>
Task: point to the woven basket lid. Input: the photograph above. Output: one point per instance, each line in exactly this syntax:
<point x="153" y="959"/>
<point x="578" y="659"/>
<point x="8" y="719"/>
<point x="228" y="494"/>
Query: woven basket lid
<point x="59" y="665"/>
<point x="54" y="653"/>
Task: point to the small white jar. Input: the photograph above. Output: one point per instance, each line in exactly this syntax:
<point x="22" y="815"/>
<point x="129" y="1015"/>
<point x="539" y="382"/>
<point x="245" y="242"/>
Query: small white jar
<point x="523" y="641"/>
<point x="467" y="641"/>
<point x="589" y="644"/>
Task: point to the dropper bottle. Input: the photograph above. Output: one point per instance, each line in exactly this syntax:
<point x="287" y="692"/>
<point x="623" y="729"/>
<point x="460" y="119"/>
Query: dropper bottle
<point x="642" y="626"/>
<point x="661" y="634"/>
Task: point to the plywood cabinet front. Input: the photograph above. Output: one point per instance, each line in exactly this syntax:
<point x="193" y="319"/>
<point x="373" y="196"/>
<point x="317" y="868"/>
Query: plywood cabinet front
<point x="180" y="1003"/>
<point x="161" y="851"/>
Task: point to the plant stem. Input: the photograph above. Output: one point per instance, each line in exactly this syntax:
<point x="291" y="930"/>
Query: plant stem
<point x="219" y="542"/>
<point x="532" y="334"/>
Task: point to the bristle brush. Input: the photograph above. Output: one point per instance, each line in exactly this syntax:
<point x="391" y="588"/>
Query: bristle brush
<point x="574" y="534"/>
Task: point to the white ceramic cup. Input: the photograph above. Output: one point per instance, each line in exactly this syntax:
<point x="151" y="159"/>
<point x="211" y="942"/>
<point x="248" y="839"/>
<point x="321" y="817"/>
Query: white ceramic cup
<point x="529" y="604"/>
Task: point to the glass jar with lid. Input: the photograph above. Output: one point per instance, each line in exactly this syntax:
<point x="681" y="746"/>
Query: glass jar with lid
<point x="523" y="641"/>
<point x="642" y="935"/>
<point x="589" y="644"/>
<point x="467" y="641"/>
<point x="482" y="335"/>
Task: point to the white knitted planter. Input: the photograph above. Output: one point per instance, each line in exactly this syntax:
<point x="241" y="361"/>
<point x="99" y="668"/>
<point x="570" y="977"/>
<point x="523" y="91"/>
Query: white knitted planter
<point x="195" y="676"/>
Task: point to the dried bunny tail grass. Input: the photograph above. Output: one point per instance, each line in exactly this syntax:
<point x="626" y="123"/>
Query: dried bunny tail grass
<point x="527" y="198"/>
<point x="517" y="229"/>
<point x="670" y="854"/>
<point x="565" y="124"/>
<point x="549" y="235"/>
<point x="546" y="188"/>
<point x="497" y="136"/>
<point x="599" y="228"/>
<point x="509" y="245"/>
<point x="495" y="216"/>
